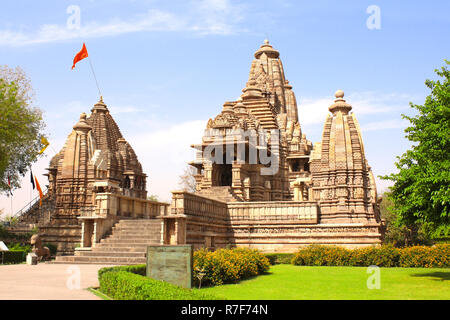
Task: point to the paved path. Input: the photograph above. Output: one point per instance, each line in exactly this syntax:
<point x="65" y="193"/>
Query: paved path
<point x="48" y="281"/>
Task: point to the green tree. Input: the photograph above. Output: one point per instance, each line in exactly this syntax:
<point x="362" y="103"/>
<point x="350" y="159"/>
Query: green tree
<point x="398" y="234"/>
<point x="21" y="127"/>
<point x="421" y="193"/>
<point x="153" y="197"/>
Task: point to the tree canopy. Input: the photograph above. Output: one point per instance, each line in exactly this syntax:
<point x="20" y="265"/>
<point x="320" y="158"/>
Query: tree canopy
<point x="21" y="127"/>
<point x="421" y="192"/>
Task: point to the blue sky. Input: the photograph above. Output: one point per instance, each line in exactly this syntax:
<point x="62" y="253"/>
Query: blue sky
<point x="165" y="67"/>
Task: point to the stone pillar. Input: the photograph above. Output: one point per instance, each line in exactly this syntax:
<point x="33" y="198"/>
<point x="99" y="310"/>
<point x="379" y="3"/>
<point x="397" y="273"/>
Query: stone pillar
<point x="236" y="178"/>
<point x="207" y="174"/>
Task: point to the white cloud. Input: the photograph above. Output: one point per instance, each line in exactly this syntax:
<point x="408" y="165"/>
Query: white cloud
<point x="164" y="153"/>
<point x="314" y="111"/>
<point x="385" y="124"/>
<point x="218" y="17"/>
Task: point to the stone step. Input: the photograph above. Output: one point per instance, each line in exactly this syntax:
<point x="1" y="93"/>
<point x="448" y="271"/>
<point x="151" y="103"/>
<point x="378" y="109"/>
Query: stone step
<point x="140" y="222"/>
<point x="134" y="236"/>
<point x="130" y="242"/>
<point x="96" y="253"/>
<point x="101" y="260"/>
<point x="117" y="248"/>
<point x="136" y="230"/>
<point x="127" y="244"/>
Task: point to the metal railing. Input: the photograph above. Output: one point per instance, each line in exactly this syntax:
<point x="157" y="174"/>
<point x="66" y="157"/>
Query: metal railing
<point x="30" y="205"/>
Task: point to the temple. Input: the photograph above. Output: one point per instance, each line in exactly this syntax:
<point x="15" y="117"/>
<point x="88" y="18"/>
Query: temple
<point x="259" y="182"/>
<point x="267" y="186"/>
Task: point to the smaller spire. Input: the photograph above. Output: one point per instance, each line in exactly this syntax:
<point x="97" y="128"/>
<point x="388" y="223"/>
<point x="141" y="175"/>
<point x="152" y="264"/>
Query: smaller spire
<point x="239" y="108"/>
<point x="227" y="107"/>
<point x="82" y="124"/>
<point x="251" y="90"/>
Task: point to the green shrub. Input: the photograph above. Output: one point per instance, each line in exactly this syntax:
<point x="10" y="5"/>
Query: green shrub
<point x="382" y="256"/>
<point x="279" y="258"/>
<point x="11" y="257"/>
<point x="321" y="256"/>
<point x="228" y="265"/>
<point x="136" y="269"/>
<point x="124" y="285"/>
<point x="437" y="256"/>
<point x="19" y="247"/>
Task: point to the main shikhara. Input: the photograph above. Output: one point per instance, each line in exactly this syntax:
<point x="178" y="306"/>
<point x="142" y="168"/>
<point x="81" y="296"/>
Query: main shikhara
<point x="96" y="205"/>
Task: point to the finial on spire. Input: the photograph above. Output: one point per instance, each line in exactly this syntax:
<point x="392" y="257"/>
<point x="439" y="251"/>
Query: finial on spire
<point x="101" y="98"/>
<point x="340" y="104"/>
<point x="339" y="94"/>
<point x="82" y="125"/>
<point x="268" y="50"/>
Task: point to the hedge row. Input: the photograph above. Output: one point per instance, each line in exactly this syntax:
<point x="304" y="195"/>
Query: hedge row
<point x="228" y="265"/>
<point x="16" y="256"/>
<point x="136" y="269"/>
<point x="279" y="258"/>
<point x="437" y="256"/>
<point x="127" y="283"/>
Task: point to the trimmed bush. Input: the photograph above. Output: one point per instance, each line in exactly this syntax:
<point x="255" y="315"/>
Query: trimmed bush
<point x="437" y="256"/>
<point x="121" y="283"/>
<point x="228" y="265"/>
<point x="279" y="258"/>
<point x="136" y="269"/>
<point x="16" y="256"/>
<point x="383" y="256"/>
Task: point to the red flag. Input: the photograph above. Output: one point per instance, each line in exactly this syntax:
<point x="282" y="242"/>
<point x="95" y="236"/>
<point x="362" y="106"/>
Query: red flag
<point x="9" y="185"/>
<point x="80" y="55"/>
<point x="40" y="191"/>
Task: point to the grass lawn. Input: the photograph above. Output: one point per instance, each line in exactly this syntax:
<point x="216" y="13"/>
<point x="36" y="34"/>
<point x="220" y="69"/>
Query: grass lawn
<point x="289" y="282"/>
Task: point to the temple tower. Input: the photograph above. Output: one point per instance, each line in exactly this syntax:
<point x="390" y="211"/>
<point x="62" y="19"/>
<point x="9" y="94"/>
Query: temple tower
<point x="94" y="159"/>
<point x="343" y="182"/>
<point x="263" y="125"/>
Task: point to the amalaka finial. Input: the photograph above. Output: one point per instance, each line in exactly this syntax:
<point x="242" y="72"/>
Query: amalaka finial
<point x="82" y="125"/>
<point x="340" y="104"/>
<point x="339" y="94"/>
<point x="266" y="41"/>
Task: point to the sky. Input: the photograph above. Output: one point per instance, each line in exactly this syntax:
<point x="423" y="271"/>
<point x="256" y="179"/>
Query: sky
<point x="165" y="67"/>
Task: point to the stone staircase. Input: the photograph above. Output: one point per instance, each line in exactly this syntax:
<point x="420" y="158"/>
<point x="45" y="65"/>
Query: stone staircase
<point x="221" y="193"/>
<point x="126" y="245"/>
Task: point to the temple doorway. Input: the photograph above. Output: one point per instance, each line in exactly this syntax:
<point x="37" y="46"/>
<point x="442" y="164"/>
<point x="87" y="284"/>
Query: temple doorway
<point x="222" y="175"/>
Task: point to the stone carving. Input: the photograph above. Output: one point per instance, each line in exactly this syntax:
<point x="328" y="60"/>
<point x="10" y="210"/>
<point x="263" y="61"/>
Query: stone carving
<point x="43" y="253"/>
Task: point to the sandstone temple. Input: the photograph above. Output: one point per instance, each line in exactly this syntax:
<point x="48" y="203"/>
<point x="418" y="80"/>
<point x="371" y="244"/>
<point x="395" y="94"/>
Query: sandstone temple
<point x="260" y="183"/>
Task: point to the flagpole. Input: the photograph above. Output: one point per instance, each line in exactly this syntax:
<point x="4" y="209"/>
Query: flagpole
<point x="93" y="72"/>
